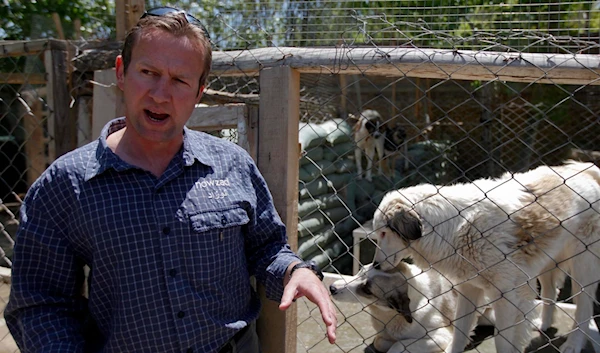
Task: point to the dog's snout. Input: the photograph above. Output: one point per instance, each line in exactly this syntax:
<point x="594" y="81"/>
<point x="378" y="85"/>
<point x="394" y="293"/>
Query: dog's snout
<point x="333" y="289"/>
<point x="377" y="265"/>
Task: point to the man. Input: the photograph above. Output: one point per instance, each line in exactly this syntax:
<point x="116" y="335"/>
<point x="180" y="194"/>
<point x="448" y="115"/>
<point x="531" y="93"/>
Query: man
<point x="172" y="222"/>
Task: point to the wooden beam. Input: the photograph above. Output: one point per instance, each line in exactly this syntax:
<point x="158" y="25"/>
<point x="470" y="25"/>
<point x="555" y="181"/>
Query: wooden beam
<point x="58" y="25"/>
<point x="278" y="161"/>
<point x="106" y="102"/>
<point x="32" y="113"/>
<point x="121" y="22"/>
<point x="576" y="69"/>
<point x="216" y="117"/>
<point x="17" y="78"/>
<point x="23" y="47"/>
<point x="59" y="98"/>
<point x="128" y="12"/>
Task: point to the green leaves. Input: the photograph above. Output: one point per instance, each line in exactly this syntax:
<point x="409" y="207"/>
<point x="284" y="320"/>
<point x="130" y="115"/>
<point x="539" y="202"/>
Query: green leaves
<point x="32" y="19"/>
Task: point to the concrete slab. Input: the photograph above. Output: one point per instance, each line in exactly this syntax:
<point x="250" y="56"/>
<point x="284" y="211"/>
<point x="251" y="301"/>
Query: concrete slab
<point x="355" y="333"/>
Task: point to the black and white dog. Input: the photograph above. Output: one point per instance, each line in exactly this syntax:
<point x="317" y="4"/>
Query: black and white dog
<point x="373" y="136"/>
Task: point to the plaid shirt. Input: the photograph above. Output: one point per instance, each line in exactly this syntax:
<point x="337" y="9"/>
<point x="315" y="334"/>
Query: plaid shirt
<point x="171" y="257"/>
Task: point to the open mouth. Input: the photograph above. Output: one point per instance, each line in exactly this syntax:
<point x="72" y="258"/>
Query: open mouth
<point x="155" y="116"/>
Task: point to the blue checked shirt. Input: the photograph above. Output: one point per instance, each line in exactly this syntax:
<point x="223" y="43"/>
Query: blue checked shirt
<point x="171" y="257"/>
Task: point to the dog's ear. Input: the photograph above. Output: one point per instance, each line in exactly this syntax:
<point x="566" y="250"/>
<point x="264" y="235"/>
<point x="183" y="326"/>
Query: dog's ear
<point x="406" y="224"/>
<point x="401" y="303"/>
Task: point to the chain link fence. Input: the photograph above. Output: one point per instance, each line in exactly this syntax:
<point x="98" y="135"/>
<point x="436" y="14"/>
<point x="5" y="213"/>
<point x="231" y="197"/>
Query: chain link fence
<point x="473" y="91"/>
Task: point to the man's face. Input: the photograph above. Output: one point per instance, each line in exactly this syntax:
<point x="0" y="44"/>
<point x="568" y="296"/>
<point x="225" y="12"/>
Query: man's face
<point x="160" y="86"/>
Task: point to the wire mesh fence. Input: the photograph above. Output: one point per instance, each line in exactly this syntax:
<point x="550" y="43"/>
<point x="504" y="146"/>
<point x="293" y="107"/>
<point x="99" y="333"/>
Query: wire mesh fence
<point x="461" y="92"/>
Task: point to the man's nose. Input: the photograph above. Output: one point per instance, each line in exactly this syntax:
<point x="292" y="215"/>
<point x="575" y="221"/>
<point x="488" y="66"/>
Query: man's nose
<point x="161" y="91"/>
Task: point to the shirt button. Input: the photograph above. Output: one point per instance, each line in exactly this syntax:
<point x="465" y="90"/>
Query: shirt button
<point x="223" y="220"/>
<point x="173" y="272"/>
<point x="189" y="350"/>
<point x="180" y="314"/>
<point x="166" y="230"/>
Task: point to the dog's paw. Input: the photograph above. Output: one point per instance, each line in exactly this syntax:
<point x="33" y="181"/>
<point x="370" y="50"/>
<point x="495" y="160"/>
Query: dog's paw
<point x="574" y="344"/>
<point x="539" y="324"/>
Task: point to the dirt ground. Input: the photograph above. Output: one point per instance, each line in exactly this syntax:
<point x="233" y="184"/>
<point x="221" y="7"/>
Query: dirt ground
<point x="355" y="333"/>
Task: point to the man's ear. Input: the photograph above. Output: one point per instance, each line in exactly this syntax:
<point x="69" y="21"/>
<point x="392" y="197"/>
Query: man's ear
<point x="200" y="93"/>
<point x="120" y="72"/>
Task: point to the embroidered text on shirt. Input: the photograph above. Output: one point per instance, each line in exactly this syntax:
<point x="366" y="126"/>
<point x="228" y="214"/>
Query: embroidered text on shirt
<point x="211" y="183"/>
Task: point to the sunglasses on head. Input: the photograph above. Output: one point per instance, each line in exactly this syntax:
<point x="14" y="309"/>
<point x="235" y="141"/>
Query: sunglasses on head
<point x="161" y="11"/>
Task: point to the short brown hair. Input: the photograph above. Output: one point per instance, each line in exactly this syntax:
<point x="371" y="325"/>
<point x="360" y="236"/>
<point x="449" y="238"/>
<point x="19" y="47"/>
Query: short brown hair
<point x="175" y="24"/>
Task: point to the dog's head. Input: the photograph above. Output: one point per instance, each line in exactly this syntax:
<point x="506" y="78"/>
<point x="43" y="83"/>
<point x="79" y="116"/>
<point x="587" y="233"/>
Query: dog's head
<point x="371" y="122"/>
<point x="396" y="224"/>
<point x="394" y="138"/>
<point x="387" y="290"/>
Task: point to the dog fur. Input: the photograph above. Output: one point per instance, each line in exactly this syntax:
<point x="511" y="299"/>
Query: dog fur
<point x="372" y="136"/>
<point x="493" y="237"/>
<point x="411" y="310"/>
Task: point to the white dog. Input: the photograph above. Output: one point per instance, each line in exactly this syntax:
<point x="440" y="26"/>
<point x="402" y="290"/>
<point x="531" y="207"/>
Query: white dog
<point x="411" y="310"/>
<point x="492" y="237"/>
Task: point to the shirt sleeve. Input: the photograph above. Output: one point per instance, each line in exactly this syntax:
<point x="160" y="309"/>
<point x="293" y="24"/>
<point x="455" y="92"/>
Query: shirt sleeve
<point x="268" y="251"/>
<point x="46" y="309"/>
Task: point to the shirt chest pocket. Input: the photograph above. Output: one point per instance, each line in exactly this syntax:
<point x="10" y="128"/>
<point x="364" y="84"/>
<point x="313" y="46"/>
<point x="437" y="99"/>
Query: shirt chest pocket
<point x="218" y="220"/>
<point x="216" y="249"/>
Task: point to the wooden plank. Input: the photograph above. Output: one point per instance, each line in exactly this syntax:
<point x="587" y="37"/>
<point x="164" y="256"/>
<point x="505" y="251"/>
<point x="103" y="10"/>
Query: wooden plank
<point x="48" y="64"/>
<point x="121" y="22"/>
<point x="23" y="47"/>
<point x="135" y="9"/>
<point x="58" y="25"/>
<point x="128" y="12"/>
<point x="576" y="69"/>
<point x="65" y="134"/>
<point x="17" y="78"/>
<point x="278" y="161"/>
<point x="251" y="135"/>
<point x="32" y="112"/>
<point x="216" y="117"/>
<point x="107" y="100"/>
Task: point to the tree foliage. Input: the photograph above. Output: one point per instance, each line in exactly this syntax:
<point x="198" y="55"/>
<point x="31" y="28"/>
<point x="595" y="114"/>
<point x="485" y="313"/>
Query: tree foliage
<point x="32" y="19"/>
<point x="258" y="23"/>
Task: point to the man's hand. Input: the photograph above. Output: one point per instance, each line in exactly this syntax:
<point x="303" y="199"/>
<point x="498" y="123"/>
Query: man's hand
<point x="304" y="282"/>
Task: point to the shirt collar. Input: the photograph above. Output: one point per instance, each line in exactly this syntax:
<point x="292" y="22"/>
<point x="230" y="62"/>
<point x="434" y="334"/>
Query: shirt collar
<point x="194" y="148"/>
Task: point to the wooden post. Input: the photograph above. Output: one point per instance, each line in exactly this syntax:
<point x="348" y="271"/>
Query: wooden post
<point x="128" y="12"/>
<point x="108" y="100"/>
<point x="248" y="131"/>
<point x="60" y="124"/>
<point x="343" y="108"/>
<point x="32" y="111"/>
<point x="278" y="161"/>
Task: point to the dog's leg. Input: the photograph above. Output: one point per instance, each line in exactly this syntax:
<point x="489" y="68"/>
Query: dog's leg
<point x="511" y="322"/>
<point x="370" y="152"/>
<point x="358" y="159"/>
<point x="379" y="148"/>
<point x="383" y="342"/>
<point x="548" y="295"/>
<point x="583" y="285"/>
<point x="469" y="299"/>
<point x="435" y="341"/>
